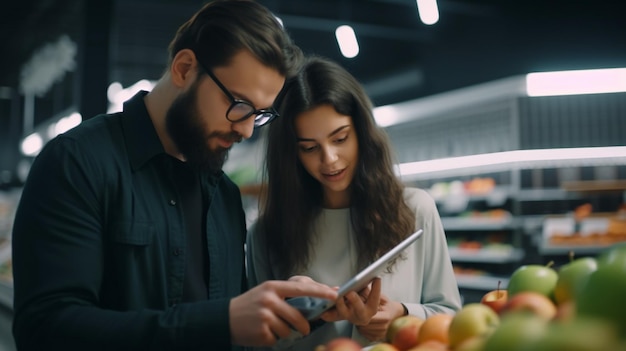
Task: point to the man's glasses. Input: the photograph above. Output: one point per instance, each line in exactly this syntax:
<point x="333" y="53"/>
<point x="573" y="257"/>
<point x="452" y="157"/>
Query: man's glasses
<point x="240" y="110"/>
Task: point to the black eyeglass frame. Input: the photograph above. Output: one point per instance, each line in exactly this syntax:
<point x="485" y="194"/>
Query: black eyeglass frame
<point x="261" y="116"/>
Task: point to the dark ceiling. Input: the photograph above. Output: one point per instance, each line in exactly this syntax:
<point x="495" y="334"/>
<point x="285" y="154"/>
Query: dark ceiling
<point x="475" y="41"/>
<point x="401" y="58"/>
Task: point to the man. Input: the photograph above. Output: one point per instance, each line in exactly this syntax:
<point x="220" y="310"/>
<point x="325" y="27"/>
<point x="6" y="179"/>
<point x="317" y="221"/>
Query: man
<point x="129" y="236"/>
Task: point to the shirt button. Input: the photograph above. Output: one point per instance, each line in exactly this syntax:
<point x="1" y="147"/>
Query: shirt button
<point x="173" y="202"/>
<point x="177" y="252"/>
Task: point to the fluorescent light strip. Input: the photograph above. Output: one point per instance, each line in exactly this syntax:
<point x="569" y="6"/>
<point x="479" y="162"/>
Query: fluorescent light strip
<point x="592" y="81"/>
<point x="518" y="158"/>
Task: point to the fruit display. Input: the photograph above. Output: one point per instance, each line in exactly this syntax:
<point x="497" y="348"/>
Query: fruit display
<point x="578" y="306"/>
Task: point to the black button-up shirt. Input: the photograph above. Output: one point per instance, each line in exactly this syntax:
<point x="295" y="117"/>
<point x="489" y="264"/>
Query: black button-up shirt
<point x="99" y="245"/>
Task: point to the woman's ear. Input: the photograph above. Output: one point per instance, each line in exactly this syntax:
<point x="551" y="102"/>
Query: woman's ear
<point x="183" y="67"/>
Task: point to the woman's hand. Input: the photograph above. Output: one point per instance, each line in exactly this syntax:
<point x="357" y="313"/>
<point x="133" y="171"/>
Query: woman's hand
<point x="377" y="328"/>
<point x="357" y="308"/>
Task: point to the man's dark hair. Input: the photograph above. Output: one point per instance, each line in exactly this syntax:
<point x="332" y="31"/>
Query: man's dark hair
<point x="222" y="28"/>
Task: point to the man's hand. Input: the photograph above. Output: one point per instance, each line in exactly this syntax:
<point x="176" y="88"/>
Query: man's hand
<point x="260" y="316"/>
<point x="358" y="308"/>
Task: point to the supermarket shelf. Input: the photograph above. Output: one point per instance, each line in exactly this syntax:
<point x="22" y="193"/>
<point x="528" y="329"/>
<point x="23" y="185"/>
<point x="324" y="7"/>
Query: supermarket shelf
<point x="481" y="282"/>
<point x="496" y="195"/>
<point x="546" y="249"/>
<point x="546" y="194"/>
<point x="486" y="255"/>
<point x="478" y="223"/>
<point x="595" y="185"/>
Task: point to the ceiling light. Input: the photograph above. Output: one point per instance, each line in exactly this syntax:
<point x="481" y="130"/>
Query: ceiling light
<point x="32" y="144"/>
<point x="428" y="11"/>
<point x="346" y="38"/>
<point x="591" y="81"/>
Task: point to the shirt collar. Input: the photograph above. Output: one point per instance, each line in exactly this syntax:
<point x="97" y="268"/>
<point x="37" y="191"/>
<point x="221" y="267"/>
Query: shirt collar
<point x="141" y="138"/>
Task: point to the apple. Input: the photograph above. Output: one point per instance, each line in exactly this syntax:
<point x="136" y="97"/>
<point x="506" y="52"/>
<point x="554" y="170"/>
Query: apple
<point x="605" y="290"/>
<point x="475" y="343"/>
<point x="533" y="302"/>
<point x="496" y="299"/>
<point x="404" y="331"/>
<point x="515" y="330"/>
<point x="580" y="334"/>
<point x="430" y="345"/>
<point x="435" y="328"/>
<point x="341" y="344"/>
<point x="474" y="319"/>
<point x="615" y="256"/>
<point x="383" y="346"/>
<point x="533" y="277"/>
<point x="572" y="278"/>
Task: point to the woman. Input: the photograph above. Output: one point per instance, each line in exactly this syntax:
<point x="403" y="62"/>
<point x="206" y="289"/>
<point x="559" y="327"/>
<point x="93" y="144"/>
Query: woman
<point x="333" y="204"/>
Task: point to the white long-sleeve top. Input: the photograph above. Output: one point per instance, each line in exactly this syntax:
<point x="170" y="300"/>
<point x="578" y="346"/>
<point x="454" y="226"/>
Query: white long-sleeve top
<point x="424" y="281"/>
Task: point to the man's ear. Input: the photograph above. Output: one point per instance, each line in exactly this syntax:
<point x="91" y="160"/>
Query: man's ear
<point x="183" y="67"/>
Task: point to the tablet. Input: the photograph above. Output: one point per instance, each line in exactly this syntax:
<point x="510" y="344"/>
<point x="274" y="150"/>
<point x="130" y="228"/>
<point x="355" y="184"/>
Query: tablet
<point x="312" y="307"/>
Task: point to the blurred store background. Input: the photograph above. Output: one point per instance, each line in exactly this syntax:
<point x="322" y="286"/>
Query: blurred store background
<point x="524" y="168"/>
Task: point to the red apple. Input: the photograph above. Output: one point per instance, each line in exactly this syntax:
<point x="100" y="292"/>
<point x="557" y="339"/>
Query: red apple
<point x="473" y="320"/>
<point x="496" y="299"/>
<point x="342" y="344"/>
<point x="533" y="302"/>
<point x="435" y="328"/>
<point x="403" y="332"/>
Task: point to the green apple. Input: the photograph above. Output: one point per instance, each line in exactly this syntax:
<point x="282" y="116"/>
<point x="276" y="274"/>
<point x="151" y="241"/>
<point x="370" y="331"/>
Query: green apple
<point x="615" y="256"/>
<point x="473" y="320"/>
<point x="579" y="334"/>
<point x="516" y="330"/>
<point x="474" y="343"/>
<point x="572" y="279"/>
<point x="605" y="291"/>
<point x="533" y="277"/>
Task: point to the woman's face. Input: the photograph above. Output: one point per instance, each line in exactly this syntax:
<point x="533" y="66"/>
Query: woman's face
<point x="329" y="151"/>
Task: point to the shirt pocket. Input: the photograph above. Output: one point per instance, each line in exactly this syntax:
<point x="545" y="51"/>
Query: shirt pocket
<point x="133" y="232"/>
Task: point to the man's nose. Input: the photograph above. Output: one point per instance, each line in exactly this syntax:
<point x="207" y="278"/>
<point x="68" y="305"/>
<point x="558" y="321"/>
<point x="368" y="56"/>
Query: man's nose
<point x="244" y="128"/>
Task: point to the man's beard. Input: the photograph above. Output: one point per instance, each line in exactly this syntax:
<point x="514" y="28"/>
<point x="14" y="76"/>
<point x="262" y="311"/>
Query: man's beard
<point x="187" y="130"/>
